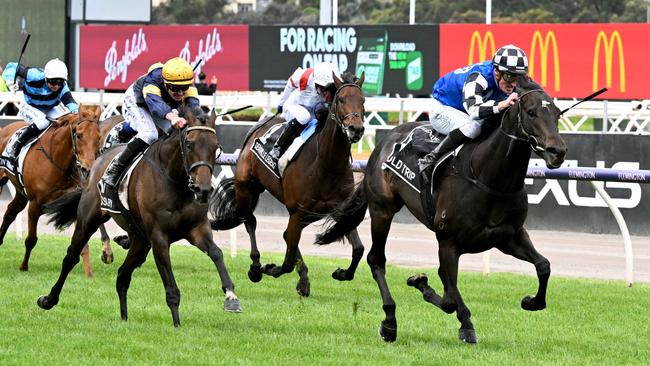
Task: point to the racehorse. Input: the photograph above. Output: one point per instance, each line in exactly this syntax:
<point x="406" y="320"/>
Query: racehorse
<point x="179" y="166"/>
<point x="312" y="185"/>
<point x="53" y="165"/>
<point x="479" y="203"/>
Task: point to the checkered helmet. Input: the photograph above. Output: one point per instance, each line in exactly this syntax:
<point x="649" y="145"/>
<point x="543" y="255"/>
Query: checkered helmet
<point x="512" y="59"/>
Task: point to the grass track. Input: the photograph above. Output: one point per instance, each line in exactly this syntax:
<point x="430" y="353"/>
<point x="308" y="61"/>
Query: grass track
<point x="586" y="322"/>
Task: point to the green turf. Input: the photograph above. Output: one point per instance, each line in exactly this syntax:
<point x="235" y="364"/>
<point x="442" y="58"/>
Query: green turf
<point x="586" y="322"/>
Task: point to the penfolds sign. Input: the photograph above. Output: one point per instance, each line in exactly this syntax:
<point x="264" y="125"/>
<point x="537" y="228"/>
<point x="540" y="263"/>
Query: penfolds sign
<point x="113" y="57"/>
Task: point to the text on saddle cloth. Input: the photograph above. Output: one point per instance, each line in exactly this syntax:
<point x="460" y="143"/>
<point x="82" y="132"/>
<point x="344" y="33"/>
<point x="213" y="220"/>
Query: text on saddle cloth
<point x="403" y="160"/>
<point x="263" y="145"/>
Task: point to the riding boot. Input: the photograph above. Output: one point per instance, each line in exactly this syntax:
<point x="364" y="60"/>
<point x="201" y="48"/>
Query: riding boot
<point x="115" y="169"/>
<point x="24" y="136"/>
<point x="449" y="143"/>
<point x="293" y="127"/>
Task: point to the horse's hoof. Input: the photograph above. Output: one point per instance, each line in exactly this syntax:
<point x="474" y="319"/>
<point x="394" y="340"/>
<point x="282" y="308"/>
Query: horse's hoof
<point x="123" y="241"/>
<point x="107" y="258"/>
<point x="530" y="303"/>
<point x="417" y="280"/>
<point x="342" y="275"/>
<point x="303" y="288"/>
<point x="232" y="306"/>
<point x="44" y="303"/>
<point x="388" y="332"/>
<point x="467" y="336"/>
<point x="255" y="274"/>
<point x="23" y="268"/>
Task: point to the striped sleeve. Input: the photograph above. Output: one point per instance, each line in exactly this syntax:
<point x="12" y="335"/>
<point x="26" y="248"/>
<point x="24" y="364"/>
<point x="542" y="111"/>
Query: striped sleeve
<point x="292" y="84"/>
<point x="474" y="92"/>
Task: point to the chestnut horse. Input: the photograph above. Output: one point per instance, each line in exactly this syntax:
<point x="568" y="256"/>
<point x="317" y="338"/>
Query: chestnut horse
<point x="480" y="203"/>
<point x="179" y="166"/>
<point x="312" y="185"/>
<point x="54" y="165"/>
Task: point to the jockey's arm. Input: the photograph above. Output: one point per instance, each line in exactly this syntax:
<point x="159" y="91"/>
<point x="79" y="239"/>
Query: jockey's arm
<point x="191" y="101"/>
<point x="292" y="84"/>
<point x="473" y="101"/>
<point x="67" y="99"/>
<point x="12" y="70"/>
<point x="155" y="103"/>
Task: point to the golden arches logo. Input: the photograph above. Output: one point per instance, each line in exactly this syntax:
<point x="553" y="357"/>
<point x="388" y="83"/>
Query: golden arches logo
<point x="543" y="55"/>
<point x="482" y="44"/>
<point x="608" y="46"/>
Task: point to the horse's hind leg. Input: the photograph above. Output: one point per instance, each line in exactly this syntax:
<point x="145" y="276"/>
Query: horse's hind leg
<point x="107" y="250"/>
<point x="201" y="238"/>
<point x="303" y="287"/>
<point x="357" y="254"/>
<point x="380" y="226"/>
<point x="13" y="209"/>
<point x="134" y="258"/>
<point x="452" y="300"/>
<point x="521" y="247"/>
<point x="292" y="238"/>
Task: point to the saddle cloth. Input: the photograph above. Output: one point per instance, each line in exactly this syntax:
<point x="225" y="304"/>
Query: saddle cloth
<point x="263" y="145"/>
<point x="123" y="184"/>
<point x="403" y="160"/>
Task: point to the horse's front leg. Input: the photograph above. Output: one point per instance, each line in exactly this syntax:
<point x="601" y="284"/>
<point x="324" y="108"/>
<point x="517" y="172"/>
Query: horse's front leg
<point x="451" y="300"/>
<point x="13" y="209"/>
<point x="134" y="258"/>
<point x="255" y="269"/>
<point x="357" y="253"/>
<point x="521" y="247"/>
<point x="201" y="237"/>
<point x="160" y="248"/>
<point x="33" y="214"/>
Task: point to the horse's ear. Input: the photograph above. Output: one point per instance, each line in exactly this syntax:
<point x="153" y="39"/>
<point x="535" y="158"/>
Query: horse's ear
<point x="337" y="82"/>
<point x="98" y="113"/>
<point x="213" y="118"/>
<point x="360" y="80"/>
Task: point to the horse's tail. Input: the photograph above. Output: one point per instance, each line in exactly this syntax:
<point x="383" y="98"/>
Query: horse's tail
<point x="63" y="210"/>
<point x="223" y="206"/>
<point x="344" y="218"/>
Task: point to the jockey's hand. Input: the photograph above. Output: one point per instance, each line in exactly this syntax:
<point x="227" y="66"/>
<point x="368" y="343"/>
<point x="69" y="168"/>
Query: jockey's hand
<point x="176" y="120"/>
<point x="13" y="87"/>
<point x="279" y="109"/>
<point x="510" y="101"/>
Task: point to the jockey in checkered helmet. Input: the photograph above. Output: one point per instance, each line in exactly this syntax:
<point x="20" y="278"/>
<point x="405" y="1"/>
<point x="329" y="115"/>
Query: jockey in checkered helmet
<point x="465" y="97"/>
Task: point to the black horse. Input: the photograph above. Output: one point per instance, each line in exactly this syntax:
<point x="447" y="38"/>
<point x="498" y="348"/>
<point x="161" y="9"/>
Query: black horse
<point x="479" y="203"/>
<point x="314" y="184"/>
<point x="168" y="198"/>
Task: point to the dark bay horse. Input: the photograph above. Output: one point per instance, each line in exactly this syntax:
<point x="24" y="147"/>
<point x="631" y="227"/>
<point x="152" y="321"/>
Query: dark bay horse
<point x="168" y="196"/>
<point x="54" y="165"/>
<point x="312" y="185"/>
<point x="480" y="203"/>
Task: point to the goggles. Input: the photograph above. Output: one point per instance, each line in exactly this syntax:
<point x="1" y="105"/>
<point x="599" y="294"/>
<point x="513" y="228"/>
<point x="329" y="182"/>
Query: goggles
<point x="177" y="88"/>
<point x="56" y="81"/>
<point x="508" y="77"/>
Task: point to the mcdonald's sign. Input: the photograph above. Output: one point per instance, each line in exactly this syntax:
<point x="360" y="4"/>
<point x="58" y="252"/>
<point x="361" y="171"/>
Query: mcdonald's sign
<point x="482" y="44"/>
<point x="543" y="55"/>
<point x="608" y="47"/>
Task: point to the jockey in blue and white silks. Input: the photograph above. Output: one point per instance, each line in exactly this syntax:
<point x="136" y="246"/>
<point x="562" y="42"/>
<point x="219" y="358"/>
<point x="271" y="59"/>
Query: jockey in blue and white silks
<point x="464" y="98"/>
<point x="47" y="97"/>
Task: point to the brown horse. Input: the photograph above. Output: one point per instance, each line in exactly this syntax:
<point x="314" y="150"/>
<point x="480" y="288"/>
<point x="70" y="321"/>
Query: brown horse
<point x="179" y="166"/>
<point x="316" y="182"/>
<point x="54" y="165"/>
<point x="480" y="203"/>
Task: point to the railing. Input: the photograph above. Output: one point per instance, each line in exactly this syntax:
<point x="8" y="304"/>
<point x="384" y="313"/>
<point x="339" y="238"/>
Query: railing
<point x="613" y="116"/>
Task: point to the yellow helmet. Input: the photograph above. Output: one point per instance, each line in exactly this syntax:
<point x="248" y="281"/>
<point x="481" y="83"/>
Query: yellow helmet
<point x="177" y="72"/>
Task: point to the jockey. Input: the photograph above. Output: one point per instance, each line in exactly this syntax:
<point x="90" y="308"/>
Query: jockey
<point x="46" y="96"/>
<point x="151" y="100"/>
<point x="304" y="98"/>
<point x="464" y="98"/>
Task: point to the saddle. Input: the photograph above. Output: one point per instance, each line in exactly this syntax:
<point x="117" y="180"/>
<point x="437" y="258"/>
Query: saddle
<point x="17" y="170"/>
<point x="263" y="145"/>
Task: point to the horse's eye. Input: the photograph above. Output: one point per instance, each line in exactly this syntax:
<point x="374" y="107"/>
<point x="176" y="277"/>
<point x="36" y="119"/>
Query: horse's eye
<point x="189" y="145"/>
<point x="531" y="113"/>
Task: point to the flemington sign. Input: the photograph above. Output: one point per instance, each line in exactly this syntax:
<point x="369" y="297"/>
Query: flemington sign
<point x="569" y="60"/>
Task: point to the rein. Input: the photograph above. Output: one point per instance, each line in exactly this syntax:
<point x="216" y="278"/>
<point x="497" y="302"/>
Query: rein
<point x="528" y="138"/>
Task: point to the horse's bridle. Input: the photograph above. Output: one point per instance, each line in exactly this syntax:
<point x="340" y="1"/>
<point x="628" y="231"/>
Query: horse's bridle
<point x="188" y="168"/>
<point x="334" y="107"/>
<point x="528" y="137"/>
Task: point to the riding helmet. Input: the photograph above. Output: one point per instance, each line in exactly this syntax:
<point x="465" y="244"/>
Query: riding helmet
<point x="512" y="59"/>
<point x="177" y="72"/>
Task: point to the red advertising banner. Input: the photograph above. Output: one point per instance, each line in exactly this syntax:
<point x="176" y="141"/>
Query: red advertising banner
<point x="113" y="57"/>
<point x="568" y="60"/>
